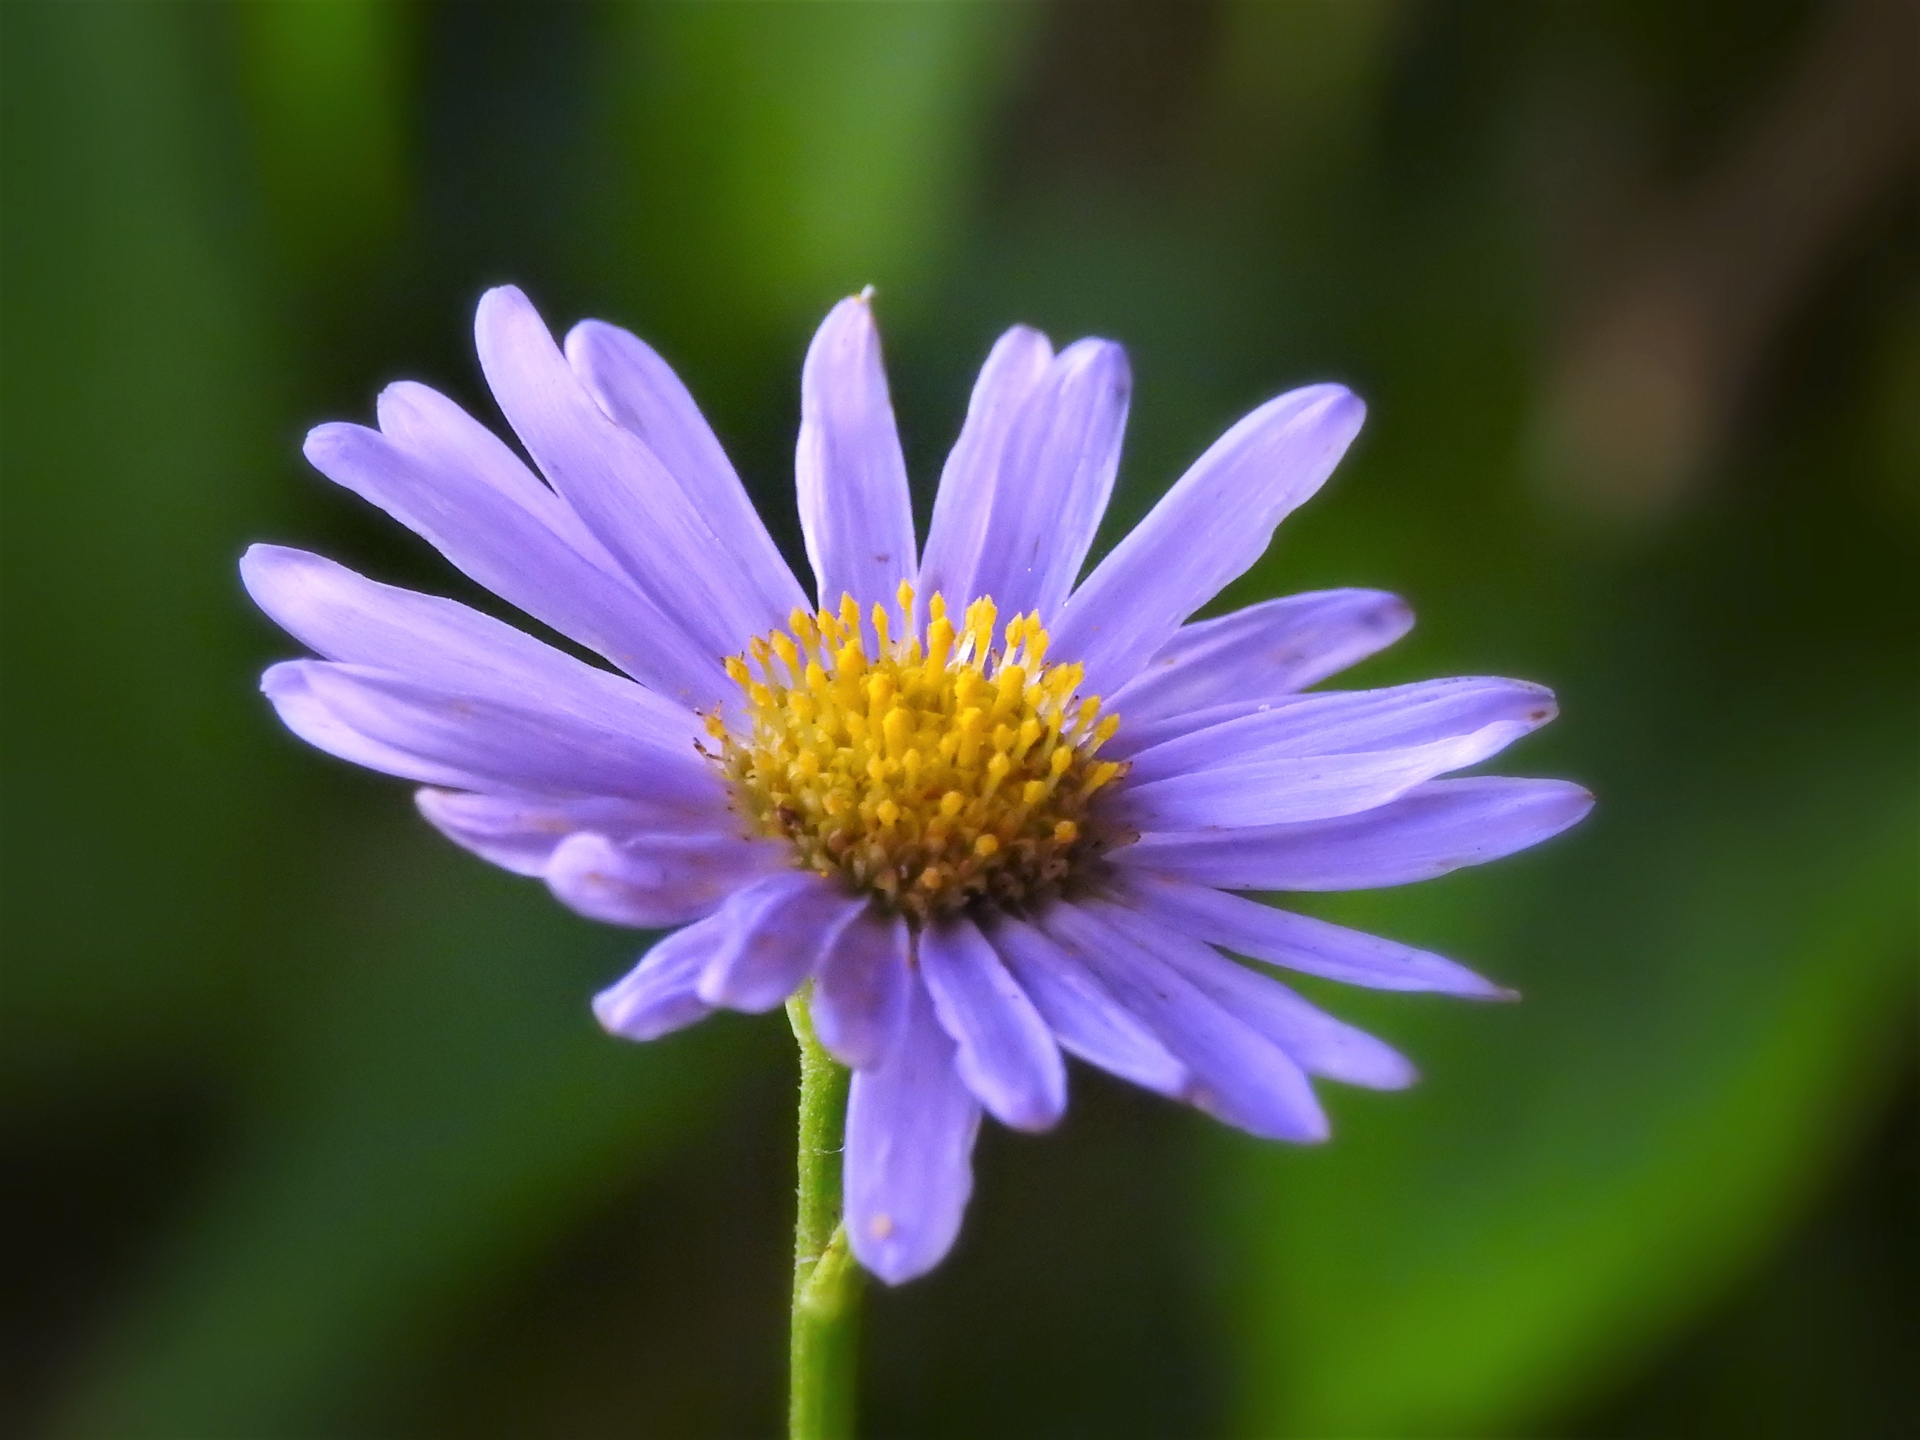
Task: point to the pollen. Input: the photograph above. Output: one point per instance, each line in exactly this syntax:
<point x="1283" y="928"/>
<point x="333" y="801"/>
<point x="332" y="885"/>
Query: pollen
<point x="936" y="767"/>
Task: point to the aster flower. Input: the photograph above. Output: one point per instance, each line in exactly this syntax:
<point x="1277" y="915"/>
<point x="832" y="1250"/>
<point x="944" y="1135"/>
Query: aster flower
<point x="990" y="816"/>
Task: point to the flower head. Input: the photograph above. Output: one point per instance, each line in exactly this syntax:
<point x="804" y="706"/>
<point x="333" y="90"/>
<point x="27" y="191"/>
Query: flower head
<point x="935" y="777"/>
<point x="991" y="816"/>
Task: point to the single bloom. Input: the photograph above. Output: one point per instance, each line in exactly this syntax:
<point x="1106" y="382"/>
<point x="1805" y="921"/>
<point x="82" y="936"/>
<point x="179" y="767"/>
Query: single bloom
<point x="992" y="815"/>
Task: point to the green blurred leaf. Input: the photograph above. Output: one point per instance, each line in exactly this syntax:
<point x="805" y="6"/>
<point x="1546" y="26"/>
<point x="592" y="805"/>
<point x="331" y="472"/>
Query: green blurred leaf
<point x="1584" y="1172"/>
<point x="140" y="389"/>
<point x="326" y="87"/>
<point x="444" y="1105"/>
<point x="1711" y="965"/>
<point x="787" y="153"/>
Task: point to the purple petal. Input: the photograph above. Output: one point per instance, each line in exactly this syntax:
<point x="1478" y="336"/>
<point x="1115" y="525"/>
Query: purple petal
<point x="1006" y="1054"/>
<point x="442" y="644"/>
<point x="1239" y="1075"/>
<point x="1298" y="942"/>
<point x="780" y="927"/>
<point x="1349" y="722"/>
<point x="287" y="688"/>
<point x="434" y="644"/>
<point x="1208" y="530"/>
<point x="860" y="991"/>
<point x="852" y="480"/>
<point x="658" y="995"/>
<point x="521" y="832"/>
<point x="1263" y="651"/>
<point x="1053" y="481"/>
<point x="1018" y="359"/>
<point x="614" y="482"/>
<point x="1136" y="736"/>
<point x="1272" y="792"/>
<point x="425" y="427"/>
<point x="446" y="477"/>
<point x="909" y="1161"/>
<point x="652" y="881"/>
<point x="1318" y="1043"/>
<point x="477" y="742"/>
<point x="1084" y="1018"/>
<point x="1434" y="828"/>
<point x="639" y="391"/>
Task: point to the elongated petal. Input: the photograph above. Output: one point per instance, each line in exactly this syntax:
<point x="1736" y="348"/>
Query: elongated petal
<point x="1318" y="1043"/>
<point x="449" y="479"/>
<point x="640" y="391"/>
<point x="1053" y="480"/>
<point x="288" y="689"/>
<point x="1006" y="1054"/>
<point x="1266" y="650"/>
<point x="651" y="881"/>
<point x="781" y="926"/>
<point x="658" y="995"/>
<point x="613" y="481"/>
<point x="860" y="991"/>
<point x="1299" y="942"/>
<point x="1084" y="1018"/>
<point x="854" y="507"/>
<point x="1239" y="1075"/>
<point x="1014" y="367"/>
<point x="1350" y="722"/>
<point x="1208" y="530"/>
<point x="1436" y="827"/>
<point x="521" y="832"/>
<point x="1137" y="736"/>
<point x="427" y="428"/>
<point x="477" y="742"/>
<point x="440" y="643"/>
<point x="1271" y="792"/>
<point x="911" y="1125"/>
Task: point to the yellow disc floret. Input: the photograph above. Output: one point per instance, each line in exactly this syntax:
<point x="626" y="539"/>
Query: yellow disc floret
<point x="934" y="772"/>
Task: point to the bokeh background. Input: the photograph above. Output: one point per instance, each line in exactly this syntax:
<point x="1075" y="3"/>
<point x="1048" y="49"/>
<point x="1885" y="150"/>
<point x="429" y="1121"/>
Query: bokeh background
<point x="306" y="1128"/>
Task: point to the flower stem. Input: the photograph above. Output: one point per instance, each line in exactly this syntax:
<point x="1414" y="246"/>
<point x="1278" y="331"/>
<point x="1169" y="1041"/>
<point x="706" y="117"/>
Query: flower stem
<point x="824" y="1352"/>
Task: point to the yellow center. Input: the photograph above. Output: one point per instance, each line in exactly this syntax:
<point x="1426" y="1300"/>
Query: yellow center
<point x="933" y="775"/>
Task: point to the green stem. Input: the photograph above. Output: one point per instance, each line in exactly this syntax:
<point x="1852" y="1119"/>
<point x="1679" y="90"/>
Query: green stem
<point x="824" y="1353"/>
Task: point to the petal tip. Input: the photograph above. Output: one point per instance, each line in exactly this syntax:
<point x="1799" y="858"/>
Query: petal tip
<point x="1347" y="410"/>
<point x="1331" y="409"/>
<point x="400" y="404"/>
<point x="286" y="678"/>
<point x="1575" y="805"/>
<point x="1392" y="613"/>
<point x="886" y="1256"/>
<point x="496" y="296"/>
<point x="606" y="1010"/>
<point x="851" y="320"/>
<point x="259" y="555"/>
<point x="324" y="441"/>
<point x="498" y="318"/>
<point x="1035" y="1118"/>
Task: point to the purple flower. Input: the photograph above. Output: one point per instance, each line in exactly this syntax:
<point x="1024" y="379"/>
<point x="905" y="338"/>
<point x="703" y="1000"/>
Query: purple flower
<point x="991" y="815"/>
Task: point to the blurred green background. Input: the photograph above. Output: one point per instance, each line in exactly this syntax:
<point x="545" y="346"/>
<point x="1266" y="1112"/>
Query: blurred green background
<point x="306" y="1128"/>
